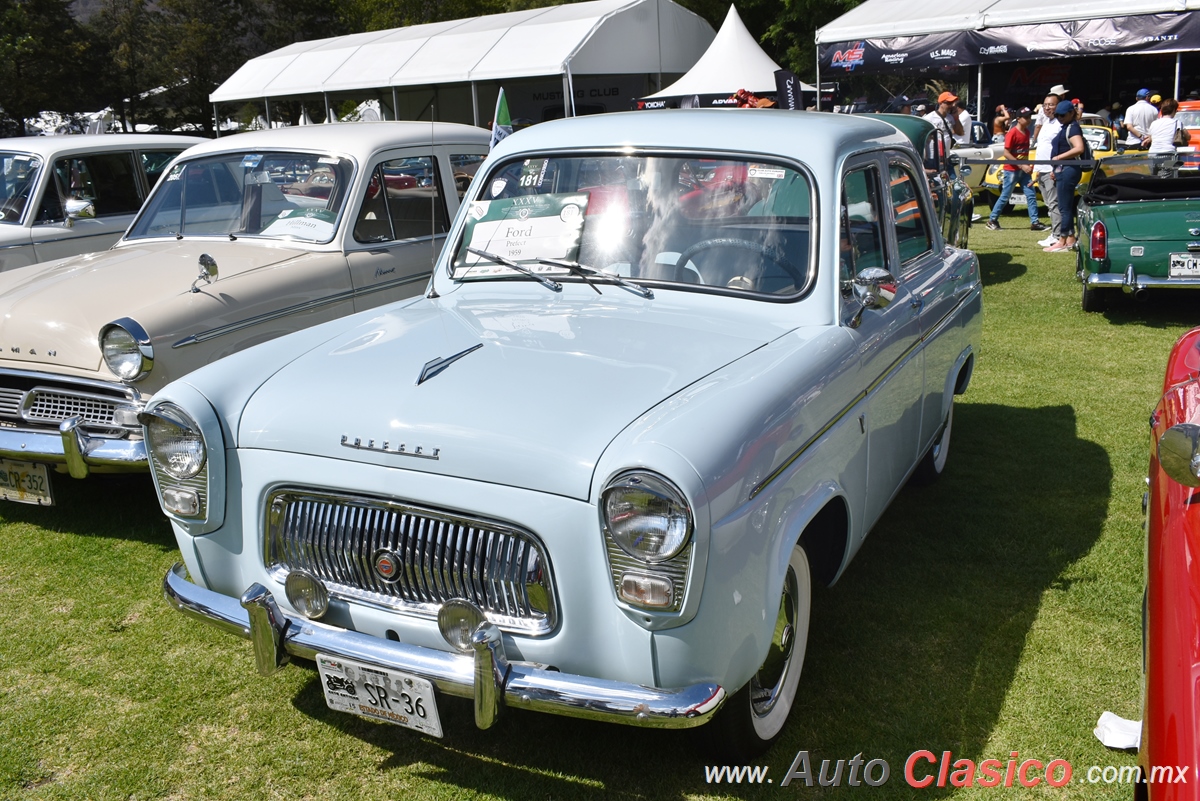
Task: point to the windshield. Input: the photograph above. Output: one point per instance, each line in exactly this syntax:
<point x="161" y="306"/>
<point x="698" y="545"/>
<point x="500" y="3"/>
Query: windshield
<point x="269" y="195"/>
<point x="711" y="224"/>
<point x="1139" y="167"/>
<point x="1097" y="138"/>
<point x="18" y="178"/>
<point x="1188" y="119"/>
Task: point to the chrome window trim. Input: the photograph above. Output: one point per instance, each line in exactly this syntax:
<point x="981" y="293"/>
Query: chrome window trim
<point x="420" y="609"/>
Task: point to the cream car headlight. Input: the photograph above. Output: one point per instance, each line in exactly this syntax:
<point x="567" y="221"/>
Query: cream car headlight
<point x="126" y="348"/>
<point x="646" y="516"/>
<point x="174" y="441"/>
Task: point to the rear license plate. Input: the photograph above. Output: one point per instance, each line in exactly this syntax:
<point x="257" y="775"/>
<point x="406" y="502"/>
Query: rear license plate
<point x="25" y="482"/>
<point x="1184" y="265"/>
<point x="379" y="693"/>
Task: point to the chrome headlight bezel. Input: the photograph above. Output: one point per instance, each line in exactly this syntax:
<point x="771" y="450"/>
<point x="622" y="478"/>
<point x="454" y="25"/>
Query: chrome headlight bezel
<point x="126" y="349"/>
<point x="632" y="489"/>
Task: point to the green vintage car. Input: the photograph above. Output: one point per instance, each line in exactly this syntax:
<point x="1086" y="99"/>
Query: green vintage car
<point x="1139" y="228"/>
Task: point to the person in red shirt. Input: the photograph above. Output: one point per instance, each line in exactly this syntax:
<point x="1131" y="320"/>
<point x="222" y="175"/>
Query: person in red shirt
<point x="1016" y="148"/>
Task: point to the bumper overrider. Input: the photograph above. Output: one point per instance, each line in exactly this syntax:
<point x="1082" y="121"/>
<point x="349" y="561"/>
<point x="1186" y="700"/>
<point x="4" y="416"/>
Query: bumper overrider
<point x="484" y="675"/>
<point x="71" y="446"/>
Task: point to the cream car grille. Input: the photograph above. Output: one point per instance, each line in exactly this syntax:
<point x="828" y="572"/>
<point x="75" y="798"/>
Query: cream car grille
<point x="53" y="407"/>
<point x="10" y="402"/>
<point x="500" y="569"/>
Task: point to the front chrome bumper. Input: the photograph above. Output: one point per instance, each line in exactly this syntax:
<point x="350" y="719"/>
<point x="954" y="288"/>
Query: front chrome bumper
<point x="1131" y="281"/>
<point x="485" y="676"/>
<point x="72" y="447"/>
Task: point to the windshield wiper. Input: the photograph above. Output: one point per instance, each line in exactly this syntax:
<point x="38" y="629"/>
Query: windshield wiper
<point x="541" y="279"/>
<point x="585" y="272"/>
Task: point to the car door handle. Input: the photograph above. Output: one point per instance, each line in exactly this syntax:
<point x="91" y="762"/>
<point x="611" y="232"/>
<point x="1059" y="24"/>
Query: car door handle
<point x="954" y="277"/>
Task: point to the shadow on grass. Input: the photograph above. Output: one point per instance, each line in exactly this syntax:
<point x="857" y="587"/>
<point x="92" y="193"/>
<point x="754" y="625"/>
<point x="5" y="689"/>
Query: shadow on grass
<point x="122" y="506"/>
<point x="915" y="648"/>
<point x="998" y="268"/>
<point x="1162" y="308"/>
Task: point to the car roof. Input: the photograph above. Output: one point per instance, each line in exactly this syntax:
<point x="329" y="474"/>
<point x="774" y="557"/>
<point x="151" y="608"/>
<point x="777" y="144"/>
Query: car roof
<point x="809" y="136"/>
<point x="360" y="139"/>
<point x="47" y="146"/>
<point x="915" y="128"/>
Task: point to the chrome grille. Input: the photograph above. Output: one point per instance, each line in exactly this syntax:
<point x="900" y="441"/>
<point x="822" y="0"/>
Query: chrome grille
<point x="502" y="570"/>
<point x="10" y="402"/>
<point x="49" y="406"/>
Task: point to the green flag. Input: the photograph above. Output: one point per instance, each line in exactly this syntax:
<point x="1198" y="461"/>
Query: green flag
<point x="501" y="122"/>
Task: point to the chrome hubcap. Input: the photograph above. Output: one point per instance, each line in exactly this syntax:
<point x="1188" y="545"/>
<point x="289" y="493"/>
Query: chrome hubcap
<point x="766" y="684"/>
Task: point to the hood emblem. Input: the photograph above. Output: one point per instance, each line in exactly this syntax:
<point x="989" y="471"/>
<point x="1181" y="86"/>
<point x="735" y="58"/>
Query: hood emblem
<point x="435" y="366"/>
<point x="400" y="450"/>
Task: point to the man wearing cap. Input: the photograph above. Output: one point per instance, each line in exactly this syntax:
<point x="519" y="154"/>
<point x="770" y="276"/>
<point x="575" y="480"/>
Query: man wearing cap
<point x="945" y="119"/>
<point x="1016" y="148"/>
<point x="1043" y="137"/>
<point x="1139" y="118"/>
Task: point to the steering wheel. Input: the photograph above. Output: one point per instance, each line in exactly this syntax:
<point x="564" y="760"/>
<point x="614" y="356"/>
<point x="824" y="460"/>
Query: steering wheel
<point x="10" y="213"/>
<point x="769" y="252"/>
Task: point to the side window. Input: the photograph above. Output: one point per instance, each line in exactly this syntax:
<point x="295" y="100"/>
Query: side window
<point x="154" y="162"/>
<point x="912" y="230"/>
<point x="861" y="244"/>
<point x="403" y="201"/>
<point x="465" y="167"/>
<point x="106" y="179"/>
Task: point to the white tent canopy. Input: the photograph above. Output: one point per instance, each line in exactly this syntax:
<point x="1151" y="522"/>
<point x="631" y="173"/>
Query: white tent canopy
<point x="597" y="37"/>
<point x="891" y="18"/>
<point x="733" y="61"/>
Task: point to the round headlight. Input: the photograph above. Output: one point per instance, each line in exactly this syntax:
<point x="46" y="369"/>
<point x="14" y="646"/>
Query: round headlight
<point x="174" y="441"/>
<point x="646" y="516"/>
<point x="127" y="350"/>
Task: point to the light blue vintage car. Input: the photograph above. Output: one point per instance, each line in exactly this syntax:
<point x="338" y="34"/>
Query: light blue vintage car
<point x="671" y="368"/>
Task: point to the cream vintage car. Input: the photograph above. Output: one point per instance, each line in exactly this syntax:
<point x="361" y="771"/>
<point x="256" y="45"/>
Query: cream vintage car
<point x="245" y="238"/>
<point x="66" y="195"/>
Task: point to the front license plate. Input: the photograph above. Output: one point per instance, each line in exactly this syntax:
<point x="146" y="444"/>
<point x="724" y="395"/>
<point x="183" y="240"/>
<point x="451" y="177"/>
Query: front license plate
<point x="25" y="482"/>
<point x="1184" y="265"/>
<point x="379" y="693"/>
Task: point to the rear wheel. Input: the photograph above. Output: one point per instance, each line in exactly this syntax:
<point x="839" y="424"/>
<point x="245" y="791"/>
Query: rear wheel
<point x="753" y="717"/>
<point x="934" y="461"/>
<point x="1093" y="300"/>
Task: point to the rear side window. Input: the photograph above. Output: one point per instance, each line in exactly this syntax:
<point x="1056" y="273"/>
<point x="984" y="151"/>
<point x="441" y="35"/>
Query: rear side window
<point x="912" y="230"/>
<point x="403" y="201"/>
<point x="154" y="162"/>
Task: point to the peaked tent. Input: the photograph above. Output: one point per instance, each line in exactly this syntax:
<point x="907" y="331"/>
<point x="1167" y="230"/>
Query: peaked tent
<point x="600" y="37"/>
<point x="733" y="61"/>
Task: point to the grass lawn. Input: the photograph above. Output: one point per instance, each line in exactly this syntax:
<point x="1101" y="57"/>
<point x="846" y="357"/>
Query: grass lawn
<point x="995" y="611"/>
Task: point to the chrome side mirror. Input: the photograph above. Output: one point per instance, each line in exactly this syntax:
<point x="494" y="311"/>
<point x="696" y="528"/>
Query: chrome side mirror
<point x="1179" y="453"/>
<point x="78" y="208"/>
<point x="208" y="271"/>
<point x="875" y="288"/>
<point x="964" y="170"/>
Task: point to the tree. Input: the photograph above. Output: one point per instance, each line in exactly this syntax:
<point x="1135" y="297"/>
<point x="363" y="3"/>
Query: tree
<point x="43" y="55"/>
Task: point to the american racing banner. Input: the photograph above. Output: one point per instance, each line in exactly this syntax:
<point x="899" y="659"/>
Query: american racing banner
<point x="1145" y="33"/>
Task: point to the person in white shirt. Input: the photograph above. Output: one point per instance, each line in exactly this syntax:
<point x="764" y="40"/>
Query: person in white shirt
<point x="1162" y="130"/>
<point x="964" y="119"/>
<point x="945" y="119"/>
<point x="1139" y="118"/>
<point x="1044" y="173"/>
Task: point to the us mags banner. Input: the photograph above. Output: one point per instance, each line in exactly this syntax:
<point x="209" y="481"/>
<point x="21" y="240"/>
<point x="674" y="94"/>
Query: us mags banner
<point x="1145" y="33"/>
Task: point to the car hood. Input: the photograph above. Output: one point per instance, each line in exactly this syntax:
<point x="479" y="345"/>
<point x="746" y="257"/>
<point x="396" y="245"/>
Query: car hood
<point x="51" y="313"/>
<point x="533" y="398"/>
<point x="1157" y="221"/>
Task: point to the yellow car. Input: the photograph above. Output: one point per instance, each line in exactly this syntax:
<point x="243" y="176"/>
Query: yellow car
<point x="1099" y="137"/>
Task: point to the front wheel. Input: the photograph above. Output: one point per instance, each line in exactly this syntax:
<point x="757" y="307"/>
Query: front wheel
<point x="753" y="717"/>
